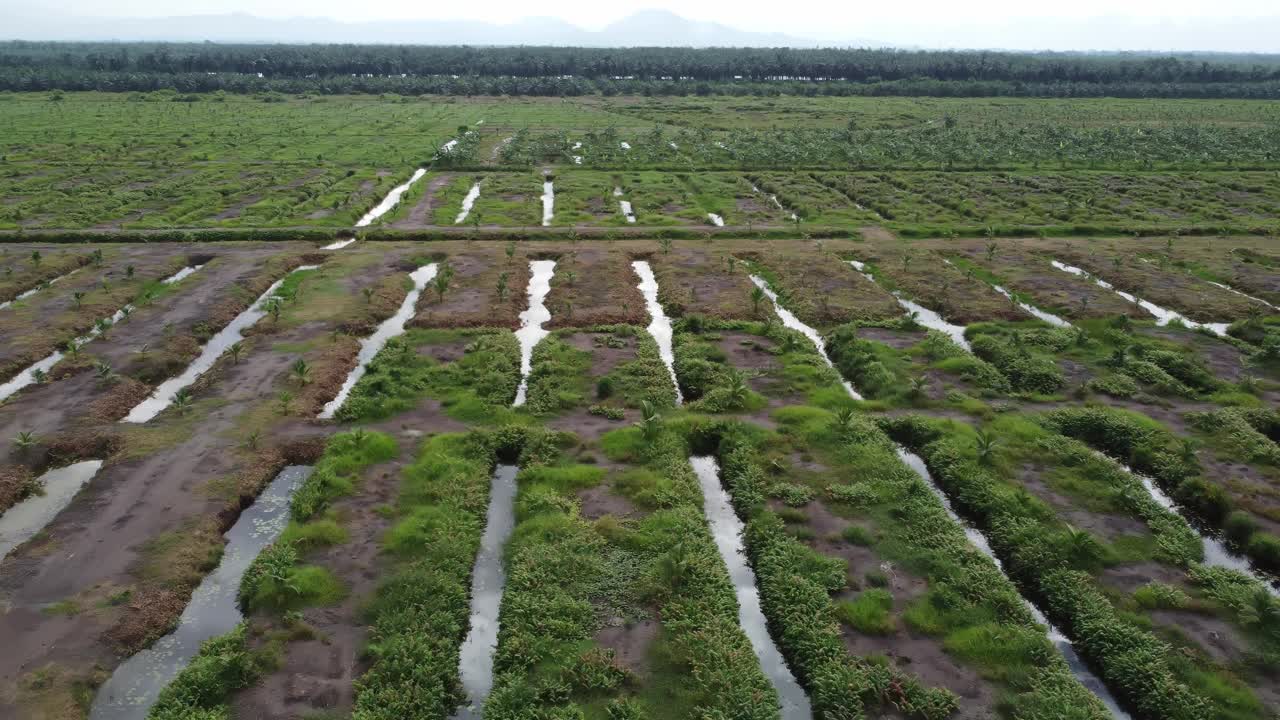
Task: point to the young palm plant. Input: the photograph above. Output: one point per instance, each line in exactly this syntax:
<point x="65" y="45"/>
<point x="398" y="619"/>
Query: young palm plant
<point x="24" y="441"/>
<point x="301" y="371"/>
<point x="985" y="446"/>
<point x="182" y="401"/>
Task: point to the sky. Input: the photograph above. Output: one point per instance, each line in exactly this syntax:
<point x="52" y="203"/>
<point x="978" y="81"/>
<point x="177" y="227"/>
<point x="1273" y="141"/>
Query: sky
<point x="978" y="23"/>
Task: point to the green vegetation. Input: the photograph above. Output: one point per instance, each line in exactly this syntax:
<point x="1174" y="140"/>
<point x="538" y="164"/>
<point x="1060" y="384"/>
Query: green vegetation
<point x="477" y="387"/>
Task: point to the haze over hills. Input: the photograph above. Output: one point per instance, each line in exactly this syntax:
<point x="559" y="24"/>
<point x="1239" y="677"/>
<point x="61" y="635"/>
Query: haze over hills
<point x="657" y="28"/>
<point x="642" y="29"/>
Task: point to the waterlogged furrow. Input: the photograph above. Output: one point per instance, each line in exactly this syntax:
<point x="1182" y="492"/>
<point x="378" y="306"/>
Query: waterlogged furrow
<point x="715" y="219"/>
<point x="1228" y="288"/>
<point x="22" y="521"/>
<point x="28" y="293"/>
<point x="791" y="321"/>
<point x="548" y="202"/>
<point x="1163" y="316"/>
<point x="467" y="202"/>
<point x="774" y="199"/>
<point x="624" y="206"/>
<point x="28" y="376"/>
<point x="163" y="395"/>
<point x="1078" y="668"/>
<point x="978" y="540"/>
<point x="391" y="200"/>
<point x="726" y="529"/>
<point x="531" y="331"/>
<point x="1028" y="308"/>
<point x="659" y="323"/>
<point x="372" y="345"/>
<point x="213" y="610"/>
<point x="475" y="659"/>
<point x="922" y="315"/>
<point x="1216" y="552"/>
<point x="339" y="244"/>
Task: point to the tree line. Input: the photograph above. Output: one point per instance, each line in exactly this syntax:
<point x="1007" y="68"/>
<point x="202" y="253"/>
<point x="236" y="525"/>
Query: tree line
<point x="562" y="71"/>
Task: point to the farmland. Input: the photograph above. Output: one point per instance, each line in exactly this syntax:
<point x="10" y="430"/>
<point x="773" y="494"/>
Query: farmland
<point x="638" y="407"/>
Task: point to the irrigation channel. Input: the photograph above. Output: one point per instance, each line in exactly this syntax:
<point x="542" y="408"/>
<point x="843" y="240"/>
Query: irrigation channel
<point x="136" y="684"/>
<point x="1163" y="316"/>
<point x="390" y="200"/>
<point x="624" y="206"/>
<point x="777" y="203"/>
<point x="659" y="323"/>
<point x="467" y="202"/>
<point x="1216" y="552"/>
<point x="372" y="345"/>
<point x="548" y="202"/>
<point x="28" y="293"/>
<point x="22" y="521"/>
<point x="1228" y="288"/>
<point x="531" y="331"/>
<point x="29" y="375"/>
<point x="163" y="395"/>
<point x="922" y="315"/>
<point x="715" y="219"/>
<point x="1028" y="308"/>
<point x="1078" y="668"/>
<point x="488" y="578"/>
<point x="726" y="529"/>
<point x="475" y="659"/>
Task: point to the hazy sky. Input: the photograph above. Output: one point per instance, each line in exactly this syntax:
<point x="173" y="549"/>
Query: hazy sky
<point x="988" y="23"/>
<point x="810" y="15"/>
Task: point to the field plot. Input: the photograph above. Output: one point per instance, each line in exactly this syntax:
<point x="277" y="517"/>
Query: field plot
<point x="954" y="444"/>
<point x="103" y="161"/>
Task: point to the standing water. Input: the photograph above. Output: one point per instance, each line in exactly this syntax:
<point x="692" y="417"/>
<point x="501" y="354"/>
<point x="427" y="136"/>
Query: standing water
<point x="1228" y="288"/>
<point x="28" y="376"/>
<point x="1163" y="316"/>
<point x="1216" y="552"/>
<point x="659" y="323"/>
<point x="1060" y="641"/>
<point x="213" y="610"/>
<point x="774" y="199"/>
<point x="921" y="314"/>
<point x="624" y="206"/>
<point x="790" y="320"/>
<point x="532" y="320"/>
<point x="22" y="521"/>
<point x="715" y="219"/>
<point x="217" y="345"/>
<point x="339" y="244"/>
<point x="391" y="200"/>
<point x="726" y="528"/>
<point x="28" y="293"/>
<point x="475" y="660"/>
<point x="913" y="461"/>
<point x="372" y="345"/>
<point x="548" y="202"/>
<point x="467" y="202"/>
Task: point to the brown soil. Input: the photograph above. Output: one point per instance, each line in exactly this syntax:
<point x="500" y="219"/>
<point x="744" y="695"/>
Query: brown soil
<point x="630" y="643"/>
<point x="906" y="649"/>
<point x="319" y="674"/>
<point x="422" y="213"/>
<point x="604" y="289"/>
<point x="603" y="358"/>
<point x="596" y="502"/>
<point x="896" y="339"/>
<point x="1106" y="526"/>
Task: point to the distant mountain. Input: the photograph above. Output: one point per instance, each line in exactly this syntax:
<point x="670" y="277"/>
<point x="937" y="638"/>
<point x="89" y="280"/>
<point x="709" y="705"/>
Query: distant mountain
<point x="646" y="28"/>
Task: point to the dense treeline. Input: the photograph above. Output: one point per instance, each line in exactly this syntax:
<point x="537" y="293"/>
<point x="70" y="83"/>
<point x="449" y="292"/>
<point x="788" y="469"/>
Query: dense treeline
<point x="650" y="71"/>
<point x="39" y="79"/>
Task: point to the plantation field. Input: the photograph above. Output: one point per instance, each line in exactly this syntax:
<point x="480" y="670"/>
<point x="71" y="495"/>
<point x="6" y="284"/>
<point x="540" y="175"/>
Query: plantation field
<point x="925" y="469"/>
<point x="122" y="162"/>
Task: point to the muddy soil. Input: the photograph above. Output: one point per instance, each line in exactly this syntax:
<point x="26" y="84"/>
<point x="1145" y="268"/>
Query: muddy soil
<point x="603" y="358"/>
<point x="697" y="280"/>
<point x="906" y="649"/>
<point x="318" y="674"/>
<point x="98" y="542"/>
<point x="603" y="290"/>
<point x="420" y="216"/>
<point x="63" y="405"/>
<point x="896" y="339"/>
